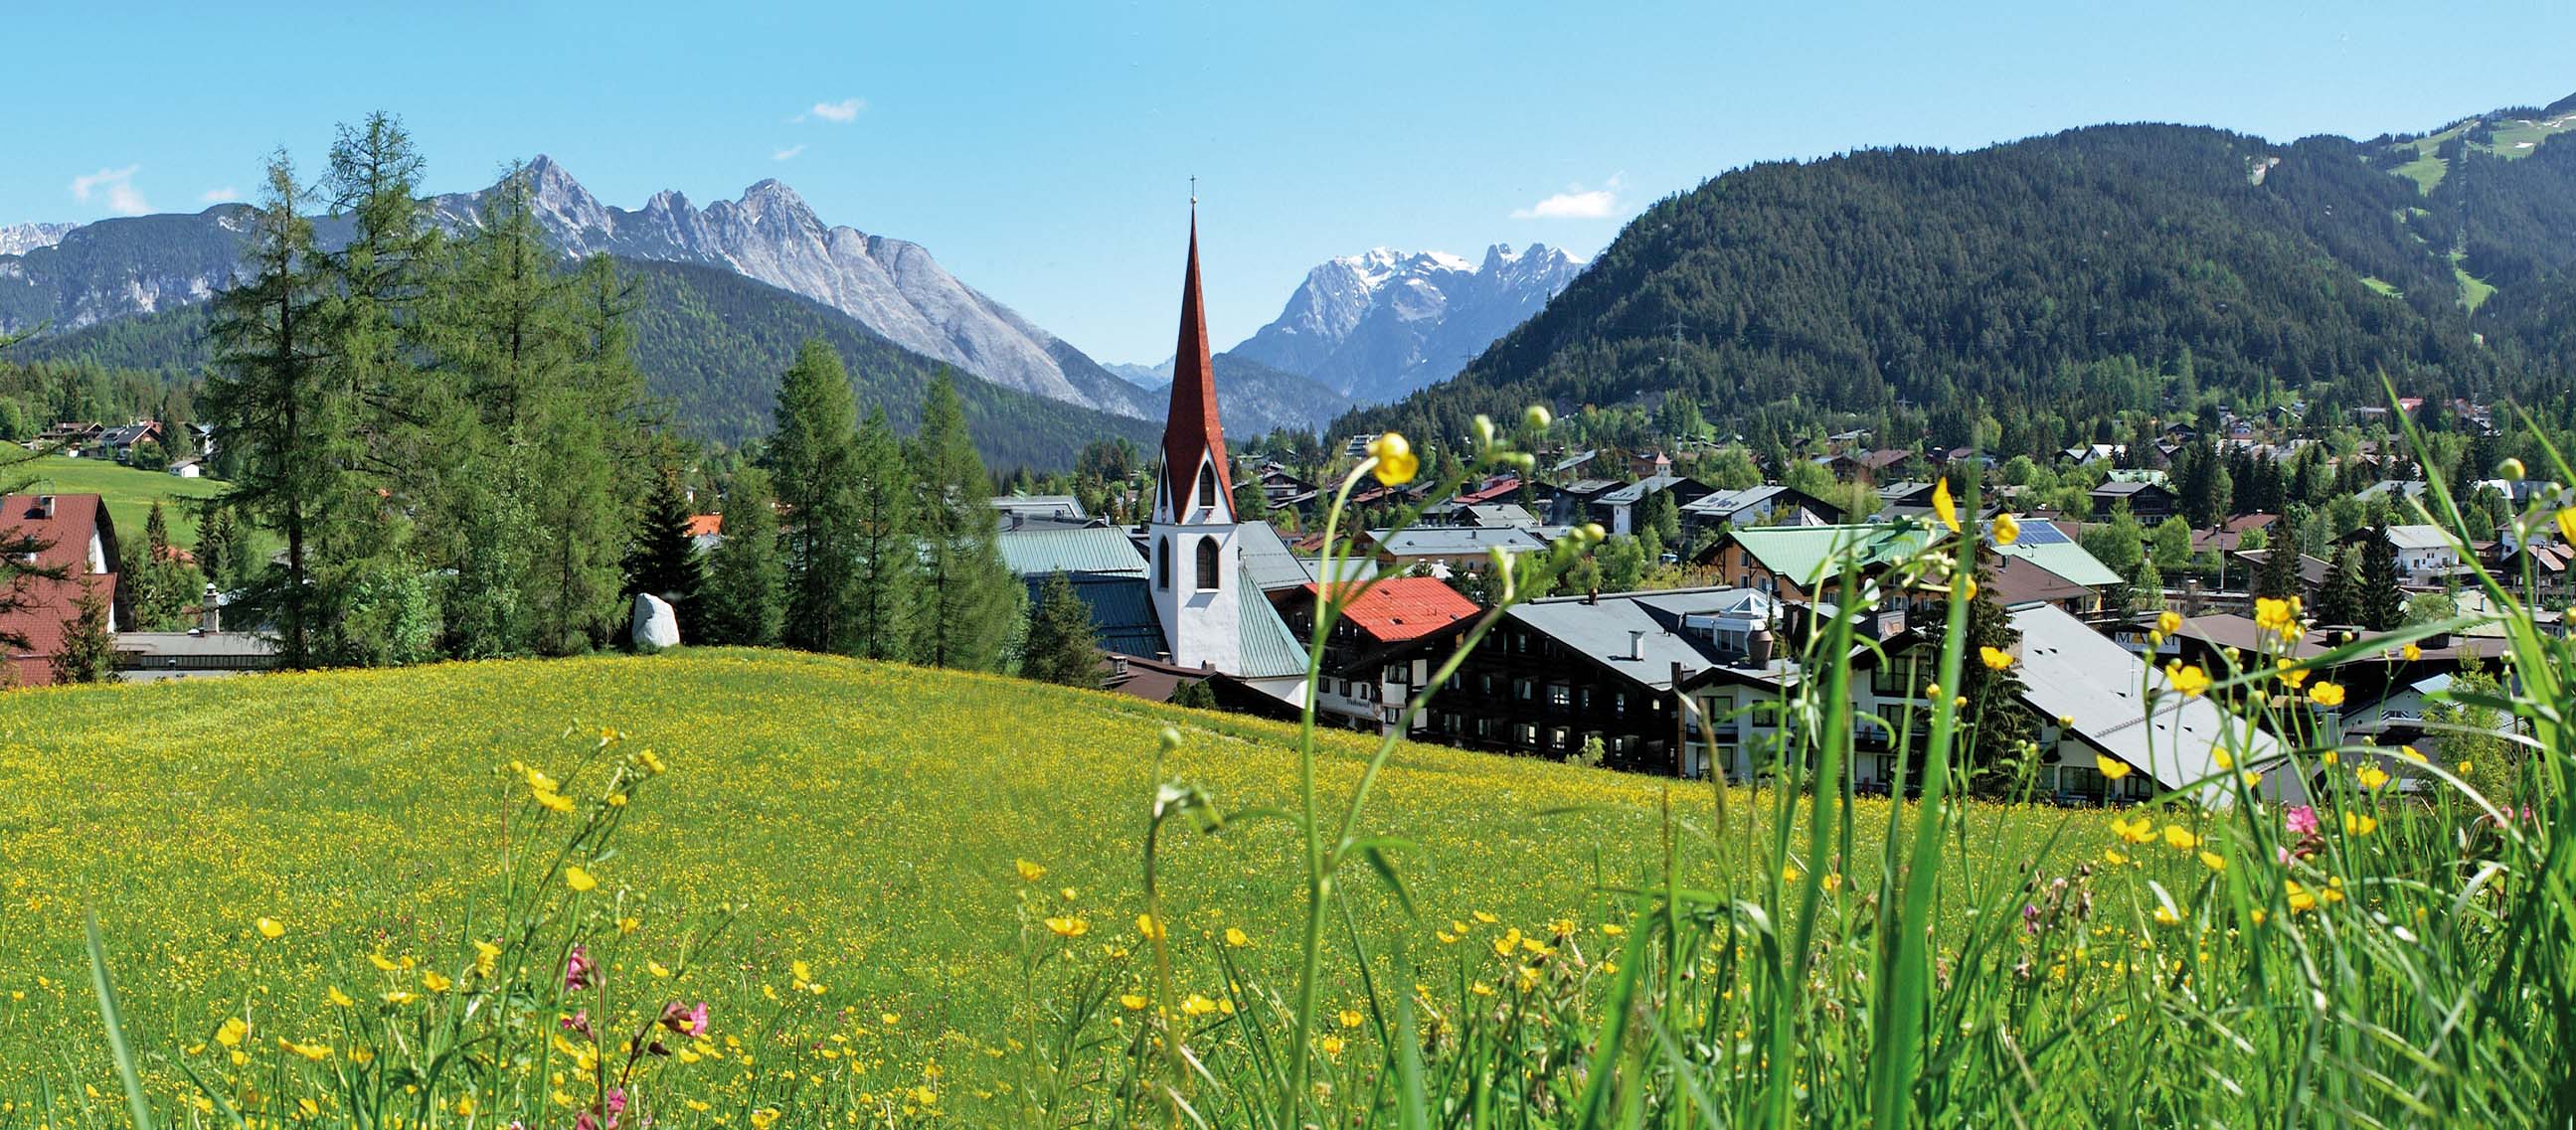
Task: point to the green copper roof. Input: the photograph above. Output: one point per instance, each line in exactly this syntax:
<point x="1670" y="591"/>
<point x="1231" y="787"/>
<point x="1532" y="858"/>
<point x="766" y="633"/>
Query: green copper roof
<point x="2064" y="558"/>
<point x="1806" y="553"/>
<point x="1270" y="650"/>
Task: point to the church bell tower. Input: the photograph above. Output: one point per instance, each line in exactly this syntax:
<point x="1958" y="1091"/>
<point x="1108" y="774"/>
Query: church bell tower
<point x="1190" y="542"/>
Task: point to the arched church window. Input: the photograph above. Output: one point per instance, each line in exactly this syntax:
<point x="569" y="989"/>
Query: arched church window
<point x="1207" y="487"/>
<point x="1163" y="563"/>
<point x="1207" y="563"/>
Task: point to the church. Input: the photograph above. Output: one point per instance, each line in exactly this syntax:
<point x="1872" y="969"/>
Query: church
<point x="1185" y="596"/>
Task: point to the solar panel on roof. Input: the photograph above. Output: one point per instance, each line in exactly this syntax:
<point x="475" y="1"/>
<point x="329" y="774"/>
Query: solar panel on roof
<point x="2043" y="533"/>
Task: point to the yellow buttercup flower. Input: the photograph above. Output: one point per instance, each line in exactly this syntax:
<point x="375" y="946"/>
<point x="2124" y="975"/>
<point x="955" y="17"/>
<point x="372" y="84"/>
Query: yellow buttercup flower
<point x="230" y="1035"/>
<point x="1133" y="1002"/>
<point x="2411" y="653"/>
<point x="2372" y="776"/>
<point x="2271" y="614"/>
<point x="2567" y="525"/>
<point x="2327" y="694"/>
<point x="2139" y="831"/>
<point x="2167" y="916"/>
<point x="1069" y="927"/>
<point x="270" y="928"/>
<point x="2007" y="529"/>
<point x="2359" y="824"/>
<point x="1236" y="938"/>
<point x="434" y="981"/>
<point x="1944" y="506"/>
<point x="2213" y="861"/>
<point x="1995" y="658"/>
<point x="1396" y="462"/>
<point x="340" y="999"/>
<point x="2189" y="679"/>
<point x="2112" y="768"/>
<point x="2168" y="622"/>
<point x="1029" y="872"/>
<point x="1147" y="926"/>
<point x="2180" y="838"/>
<point x="2293" y="674"/>
<point x="1196" y="1005"/>
<point x="578" y="879"/>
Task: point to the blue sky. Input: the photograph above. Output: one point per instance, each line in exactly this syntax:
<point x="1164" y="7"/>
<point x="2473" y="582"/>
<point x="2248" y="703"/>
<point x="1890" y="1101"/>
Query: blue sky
<point x="1042" y="150"/>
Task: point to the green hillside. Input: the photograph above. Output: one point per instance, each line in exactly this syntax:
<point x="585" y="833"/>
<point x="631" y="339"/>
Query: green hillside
<point x="130" y="492"/>
<point x="868" y="815"/>
<point x="2079" y="274"/>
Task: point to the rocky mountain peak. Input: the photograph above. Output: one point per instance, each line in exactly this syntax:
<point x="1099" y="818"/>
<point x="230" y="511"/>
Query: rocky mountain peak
<point x="1386" y="321"/>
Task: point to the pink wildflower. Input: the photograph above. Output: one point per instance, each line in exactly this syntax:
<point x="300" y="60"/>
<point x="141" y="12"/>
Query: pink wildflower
<point x="2300" y="819"/>
<point x="578" y="969"/>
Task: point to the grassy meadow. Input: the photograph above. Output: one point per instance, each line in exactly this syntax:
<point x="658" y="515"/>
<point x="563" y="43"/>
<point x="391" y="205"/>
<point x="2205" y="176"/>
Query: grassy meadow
<point x="129" y="491"/>
<point x="870" y="819"/>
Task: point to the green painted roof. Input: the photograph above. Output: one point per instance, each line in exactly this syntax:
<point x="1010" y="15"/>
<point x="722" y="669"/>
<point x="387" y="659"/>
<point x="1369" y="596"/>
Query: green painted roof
<point x="2064" y="558"/>
<point x="1088" y="549"/>
<point x="1806" y="553"/>
<point x="1270" y="650"/>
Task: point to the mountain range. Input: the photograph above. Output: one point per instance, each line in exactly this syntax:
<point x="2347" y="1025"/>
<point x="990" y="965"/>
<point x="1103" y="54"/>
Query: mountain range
<point x="2042" y="285"/>
<point x="1378" y="325"/>
<point x="81" y="281"/>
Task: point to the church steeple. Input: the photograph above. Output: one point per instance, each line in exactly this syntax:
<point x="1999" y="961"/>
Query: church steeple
<point x="1193" y="439"/>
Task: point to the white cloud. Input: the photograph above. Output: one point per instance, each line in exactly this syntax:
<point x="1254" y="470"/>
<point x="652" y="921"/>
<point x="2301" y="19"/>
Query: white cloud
<point x="842" y="112"/>
<point x="788" y="154"/>
<point x="122" y="199"/>
<point x="1575" y="203"/>
<point x="225" y="195"/>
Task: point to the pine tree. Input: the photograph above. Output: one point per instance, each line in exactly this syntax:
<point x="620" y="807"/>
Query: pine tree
<point x="663" y="558"/>
<point x="1999" y="722"/>
<point x="2382" y="604"/>
<point x="88" y="651"/>
<point x="1063" y="646"/>
<point x="284" y="426"/>
<point x="746" y="583"/>
<point x="811" y="460"/>
<point x="969" y="599"/>
<point x="2340" y="601"/>
<point x="2279" y="578"/>
<point x="886" y="598"/>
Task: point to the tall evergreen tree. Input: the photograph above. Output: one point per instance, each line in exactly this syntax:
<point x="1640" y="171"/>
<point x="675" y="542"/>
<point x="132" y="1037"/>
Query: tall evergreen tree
<point x="2279" y="576"/>
<point x="746" y="582"/>
<point x="2340" y="601"/>
<point x="1998" y="721"/>
<point x="1063" y="646"/>
<point x="283" y="423"/>
<point x="2382" y="603"/>
<point x="663" y="557"/>
<point x="885" y="603"/>
<point x="88" y="651"/>
<point x="969" y="598"/>
<point x="811" y="456"/>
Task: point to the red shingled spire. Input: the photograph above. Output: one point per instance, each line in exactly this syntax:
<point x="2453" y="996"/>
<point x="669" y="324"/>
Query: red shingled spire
<point x="1192" y="429"/>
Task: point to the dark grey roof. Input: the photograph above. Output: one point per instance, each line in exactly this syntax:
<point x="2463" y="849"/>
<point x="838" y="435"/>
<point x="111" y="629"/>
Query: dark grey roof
<point x="1598" y="628"/>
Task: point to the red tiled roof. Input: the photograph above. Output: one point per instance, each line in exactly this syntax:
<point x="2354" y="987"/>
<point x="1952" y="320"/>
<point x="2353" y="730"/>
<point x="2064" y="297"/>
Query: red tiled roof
<point x="705" y="525"/>
<point x="50" y="604"/>
<point x="1403" y="608"/>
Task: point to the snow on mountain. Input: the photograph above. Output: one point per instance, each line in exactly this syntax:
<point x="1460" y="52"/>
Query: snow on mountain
<point x="1381" y="324"/>
<point x="19" y="239"/>
<point x="891" y="286"/>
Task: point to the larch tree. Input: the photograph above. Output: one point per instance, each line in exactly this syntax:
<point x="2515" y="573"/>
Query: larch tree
<point x="886" y="591"/>
<point x="811" y="458"/>
<point x="284" y="425"/>
<point x="969" y="598"/>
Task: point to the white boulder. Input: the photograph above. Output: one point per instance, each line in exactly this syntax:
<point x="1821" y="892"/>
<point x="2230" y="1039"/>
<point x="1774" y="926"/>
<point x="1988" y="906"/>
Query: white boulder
<point x="656" y="625"/>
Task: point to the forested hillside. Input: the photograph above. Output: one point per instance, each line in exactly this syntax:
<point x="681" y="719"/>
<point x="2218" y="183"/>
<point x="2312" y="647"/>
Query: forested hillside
<point x="711" y="344"/>
<point x="2050" y="283"/>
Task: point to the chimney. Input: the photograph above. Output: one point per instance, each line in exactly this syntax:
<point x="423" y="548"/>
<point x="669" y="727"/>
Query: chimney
<point x="1592" y="595"/>
<point x="1636" y="644"/>
<point x="1758" y="648"/>
<point x="210" y="614"/>
<point x="44" y="506"/>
